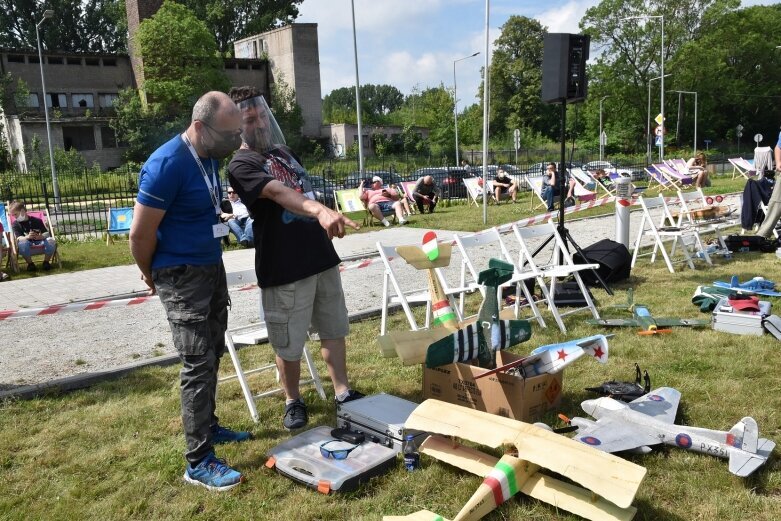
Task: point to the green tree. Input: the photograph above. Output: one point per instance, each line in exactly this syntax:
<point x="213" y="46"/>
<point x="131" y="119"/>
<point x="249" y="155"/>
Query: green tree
<point x="181" y="63"/>
<point x="287" y="113"/>
<point x="377" y="102"/>
<point x="231" y="20"/>
<point x="630" y="54"/>
<point x="81" y="26"/>
<point x="516" y="80"/>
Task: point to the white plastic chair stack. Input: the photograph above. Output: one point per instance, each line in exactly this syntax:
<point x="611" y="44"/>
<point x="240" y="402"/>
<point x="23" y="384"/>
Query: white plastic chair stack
<point x="561" y="266"/>
<point x="666" y="229"/>
<point x="485" y="239"/>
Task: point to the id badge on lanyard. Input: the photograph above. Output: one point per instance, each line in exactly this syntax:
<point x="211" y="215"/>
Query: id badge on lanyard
<point x="219" y="229"/>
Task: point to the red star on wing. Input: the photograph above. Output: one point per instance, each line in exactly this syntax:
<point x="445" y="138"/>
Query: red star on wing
<point x="562" y="354"/>
<point x="598" y="352"/>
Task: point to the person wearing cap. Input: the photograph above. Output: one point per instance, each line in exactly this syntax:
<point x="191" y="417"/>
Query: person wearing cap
<point x="426" y="193"/>
<point x="295" y="261"/>
<point x="381" y="201"/>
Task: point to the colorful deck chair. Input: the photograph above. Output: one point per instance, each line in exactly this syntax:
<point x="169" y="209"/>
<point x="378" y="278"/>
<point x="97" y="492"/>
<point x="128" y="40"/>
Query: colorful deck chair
<point x="119" y="221"/>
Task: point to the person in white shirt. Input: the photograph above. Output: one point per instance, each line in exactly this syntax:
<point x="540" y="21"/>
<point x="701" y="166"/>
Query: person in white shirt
<point x="238" y="219"/>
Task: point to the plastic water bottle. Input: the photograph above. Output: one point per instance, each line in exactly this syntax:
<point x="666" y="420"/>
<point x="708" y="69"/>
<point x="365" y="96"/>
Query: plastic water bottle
<point x="411" y="455"/>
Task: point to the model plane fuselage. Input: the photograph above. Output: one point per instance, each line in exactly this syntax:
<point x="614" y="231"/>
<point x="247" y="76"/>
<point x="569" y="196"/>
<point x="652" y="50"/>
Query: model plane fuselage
<point x="635" y="428"/>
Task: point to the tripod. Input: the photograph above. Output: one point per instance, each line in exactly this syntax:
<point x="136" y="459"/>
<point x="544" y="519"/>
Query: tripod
<point x="566" y="237"/>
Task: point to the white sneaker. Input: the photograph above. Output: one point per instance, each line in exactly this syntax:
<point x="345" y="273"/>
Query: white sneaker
<point x="403" y="221"/>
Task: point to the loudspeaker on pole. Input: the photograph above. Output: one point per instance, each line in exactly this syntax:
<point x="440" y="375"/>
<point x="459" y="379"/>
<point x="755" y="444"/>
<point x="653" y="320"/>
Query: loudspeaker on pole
<point x="564" y="67"/>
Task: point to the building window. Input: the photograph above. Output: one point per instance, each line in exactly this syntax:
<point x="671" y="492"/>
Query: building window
<point x="54" y="99"/>
<point x="93" y="62"/>
<point x="32" y="59"/>
<point x="109" y="62"/>
<point x="16" y="58"/>
<point x="55" y="60"/>
<point x="80" y="138"/>
<point x="33" y="101"/>
<point x="82" y="101"/>
<point x="108" y="137"/>
<point x="107" y="100"/>
<point x="73" y="61"/>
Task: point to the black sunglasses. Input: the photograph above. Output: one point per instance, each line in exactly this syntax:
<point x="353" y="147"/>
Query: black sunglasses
<point x="338" y="454"/>
<point x="231" y="192"/>
<point x="224" y="134"/>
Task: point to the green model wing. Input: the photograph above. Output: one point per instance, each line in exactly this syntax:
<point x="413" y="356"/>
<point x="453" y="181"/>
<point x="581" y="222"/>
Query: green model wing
<point x="613" y="322"/>
<point x="685" y="322"/>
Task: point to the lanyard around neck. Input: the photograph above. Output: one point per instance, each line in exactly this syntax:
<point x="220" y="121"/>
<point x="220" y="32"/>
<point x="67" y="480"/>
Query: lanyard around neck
<point x="211" y="187"/>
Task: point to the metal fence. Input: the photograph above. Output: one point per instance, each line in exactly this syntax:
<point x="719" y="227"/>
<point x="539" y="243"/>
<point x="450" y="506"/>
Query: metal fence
<point x="87" y="194"/>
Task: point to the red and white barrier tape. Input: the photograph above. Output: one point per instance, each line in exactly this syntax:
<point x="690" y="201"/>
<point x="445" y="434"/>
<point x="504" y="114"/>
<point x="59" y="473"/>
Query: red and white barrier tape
<point x="365" y="263"/>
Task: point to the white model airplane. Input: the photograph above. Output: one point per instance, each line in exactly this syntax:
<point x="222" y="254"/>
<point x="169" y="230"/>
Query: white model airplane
<point x="649" y="420"/>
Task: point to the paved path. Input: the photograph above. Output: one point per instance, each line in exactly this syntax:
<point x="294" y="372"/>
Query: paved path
<point x="62" y="345"/>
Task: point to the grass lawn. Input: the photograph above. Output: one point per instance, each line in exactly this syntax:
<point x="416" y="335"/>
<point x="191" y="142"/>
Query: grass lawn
<point x="114" y="451"/>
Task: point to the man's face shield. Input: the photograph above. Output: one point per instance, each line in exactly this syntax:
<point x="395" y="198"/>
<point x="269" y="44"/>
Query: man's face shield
<point x="259" y="129"/>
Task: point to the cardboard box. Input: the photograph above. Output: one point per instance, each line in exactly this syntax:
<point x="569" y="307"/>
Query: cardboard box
<point x="524" y="399"/>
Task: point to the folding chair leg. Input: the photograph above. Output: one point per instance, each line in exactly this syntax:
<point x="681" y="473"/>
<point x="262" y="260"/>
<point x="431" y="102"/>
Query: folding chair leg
<point x="313" y="372"/>
<point x="385" y="302"/>
<point x="584" y="291"/>
<point x="253" y="411"/>
<point x="552" y="306"/>
<point x="532" y="305"/>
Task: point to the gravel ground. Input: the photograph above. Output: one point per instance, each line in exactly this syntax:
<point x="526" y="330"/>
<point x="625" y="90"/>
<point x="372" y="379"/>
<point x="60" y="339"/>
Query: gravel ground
<point x="55" y="346"/>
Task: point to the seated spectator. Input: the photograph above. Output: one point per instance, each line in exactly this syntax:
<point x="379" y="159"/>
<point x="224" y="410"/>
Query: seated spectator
<point x="426" y="193"/>
<point x="3" y="275"/>
<point x="603" y="178"/>
<point x="698" y="166"/>
<point x="380" y="201"/>
<point x="549" y="189"/>
<point x="407" y="211"/>
<point x="31" y="232"/>
<point x="504" y="184"/>
<point x="237" y="217"/>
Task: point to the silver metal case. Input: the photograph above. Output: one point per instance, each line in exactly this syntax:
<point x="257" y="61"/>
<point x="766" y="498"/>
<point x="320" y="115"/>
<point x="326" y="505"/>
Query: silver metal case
<point x="380" y="418"/>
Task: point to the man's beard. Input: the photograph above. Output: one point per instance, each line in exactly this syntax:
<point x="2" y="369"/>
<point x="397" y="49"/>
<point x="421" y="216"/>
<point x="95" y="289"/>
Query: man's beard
<point x="258" y="140"/>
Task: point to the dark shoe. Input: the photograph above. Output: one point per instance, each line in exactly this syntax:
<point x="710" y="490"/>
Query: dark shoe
<point x="32" y="267"/>
<point x="223" y="435"/>
<point x="245" y="243"/>
<point x="47" y="266"/>
<point x="295" y="415"/>
<point x="351" y="395"/>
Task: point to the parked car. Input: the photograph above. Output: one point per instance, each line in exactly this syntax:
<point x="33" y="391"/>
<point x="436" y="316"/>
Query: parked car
<point x="607" y="166"/>
<point x="324" y="189"/>
<point x="354" y="178"/>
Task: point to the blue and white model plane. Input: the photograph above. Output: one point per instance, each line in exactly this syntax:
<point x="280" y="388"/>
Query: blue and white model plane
<point x="649" y="420"/>
<point x="755" y="286"/>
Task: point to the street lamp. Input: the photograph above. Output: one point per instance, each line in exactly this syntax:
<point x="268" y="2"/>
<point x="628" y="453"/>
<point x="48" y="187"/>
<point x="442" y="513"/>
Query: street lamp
<point x="55" y="186"/>
<point x="661" y="111"/>
<point x="694" y="146"/>
<point x="648" y="124"/>
<point x="486" y="87"/>
<point x="357" y="95"/>
<point x="601" y="143"/>
<point x="455" y="99"/>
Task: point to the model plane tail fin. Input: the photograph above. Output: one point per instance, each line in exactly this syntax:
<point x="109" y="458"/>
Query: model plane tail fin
<point x="734" y="282"/>
<point x="744" y="435"/>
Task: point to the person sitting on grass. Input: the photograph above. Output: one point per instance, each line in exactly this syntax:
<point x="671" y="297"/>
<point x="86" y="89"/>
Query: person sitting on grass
<point x="381" y="201"/>
<point x="31" y="233"/>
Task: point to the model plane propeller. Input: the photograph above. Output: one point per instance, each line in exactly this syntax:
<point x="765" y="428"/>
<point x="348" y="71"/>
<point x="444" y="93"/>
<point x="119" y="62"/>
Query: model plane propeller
<point x="642" y="318"/>
<point x="649" y="420"/>
<point x="615" y="480"/>
<point x="449" y="341"/>
<point x="755" y="286"/>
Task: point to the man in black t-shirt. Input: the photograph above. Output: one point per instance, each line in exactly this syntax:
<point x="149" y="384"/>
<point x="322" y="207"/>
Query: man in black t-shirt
<point x="295" y="261"/>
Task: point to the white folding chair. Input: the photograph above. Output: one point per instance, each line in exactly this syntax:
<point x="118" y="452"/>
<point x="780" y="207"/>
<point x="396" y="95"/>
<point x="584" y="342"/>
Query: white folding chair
<point x="469" y="273"/>
<point x="742" y="167"/>
<point x="692" y="201"/>
<point x="399" y="297"/>
<point x="666" y="229"/>
<point x="241" y="375"/>
<point x="561" y="266"/>
<point x="474" y="190"/>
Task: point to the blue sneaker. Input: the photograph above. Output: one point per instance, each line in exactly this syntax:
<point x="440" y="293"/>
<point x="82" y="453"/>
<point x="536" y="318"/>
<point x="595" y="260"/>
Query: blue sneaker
<point x="213" y="474"/>
<point x="224" y="435"/>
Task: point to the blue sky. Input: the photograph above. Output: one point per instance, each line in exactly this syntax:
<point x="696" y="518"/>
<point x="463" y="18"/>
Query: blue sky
<point x="414" y="42"/>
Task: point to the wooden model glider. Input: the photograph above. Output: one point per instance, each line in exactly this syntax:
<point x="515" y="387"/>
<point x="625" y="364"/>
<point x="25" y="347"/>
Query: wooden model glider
<point x="642" y="318"/>
<point x="614" y="479"/>
<point x="449" y="341"/>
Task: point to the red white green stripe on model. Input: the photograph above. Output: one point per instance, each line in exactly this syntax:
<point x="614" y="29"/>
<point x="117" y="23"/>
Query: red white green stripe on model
<point x="443" y="313"/>
<point x="502" y="483"/>
<point x="463" y="345"/>
<point x="430" y="246"/>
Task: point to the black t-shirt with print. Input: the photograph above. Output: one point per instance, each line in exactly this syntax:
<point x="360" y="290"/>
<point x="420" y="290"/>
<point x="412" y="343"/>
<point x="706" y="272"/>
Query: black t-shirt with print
<point x="288" y="247"/>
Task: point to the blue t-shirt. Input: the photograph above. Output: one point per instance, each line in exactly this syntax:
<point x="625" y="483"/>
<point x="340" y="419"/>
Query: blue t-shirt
<point x="171" y="180"/>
